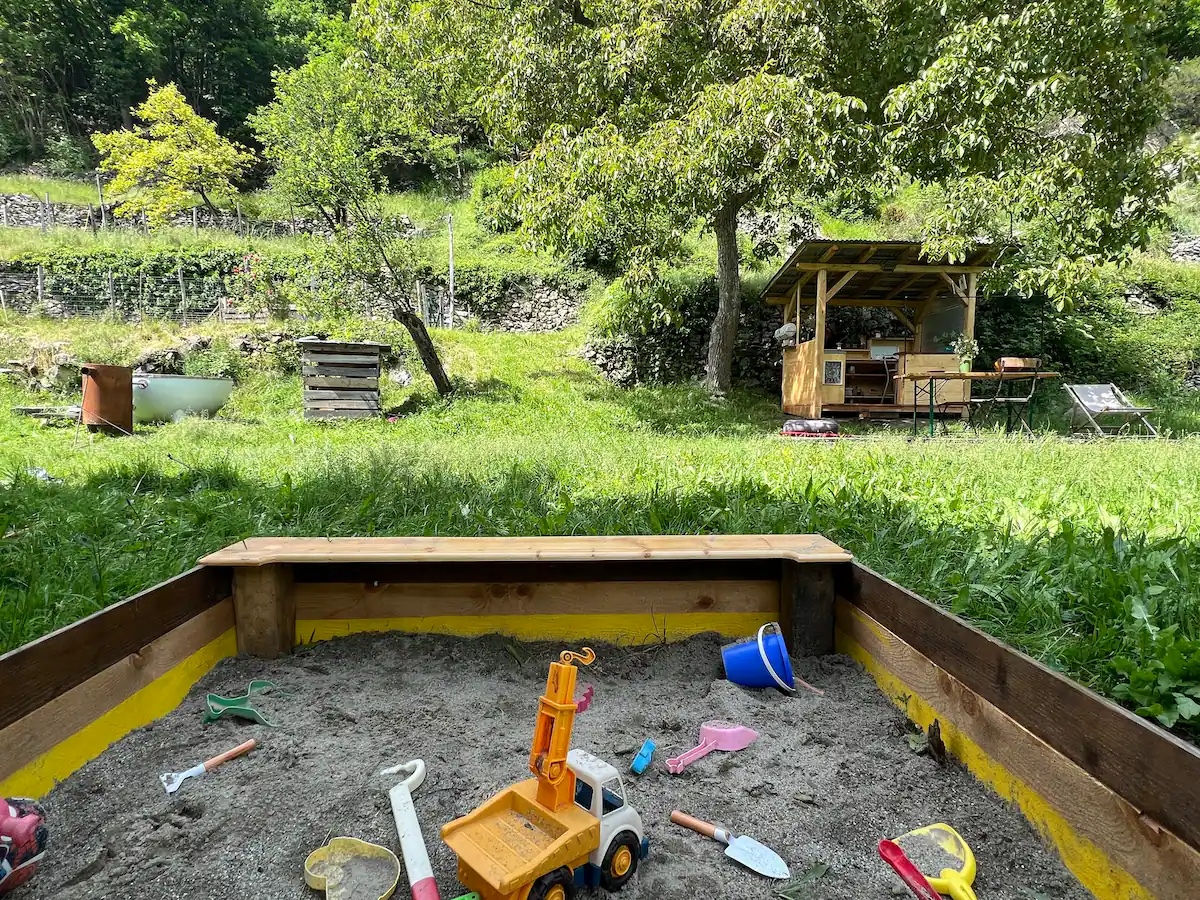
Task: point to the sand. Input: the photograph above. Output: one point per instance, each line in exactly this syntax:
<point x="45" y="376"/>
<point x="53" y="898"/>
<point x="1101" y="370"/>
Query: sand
<point x="827" y="779"/>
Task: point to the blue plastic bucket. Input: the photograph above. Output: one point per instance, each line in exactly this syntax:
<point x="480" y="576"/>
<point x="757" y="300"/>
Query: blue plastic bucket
<point x="760" y="662"/>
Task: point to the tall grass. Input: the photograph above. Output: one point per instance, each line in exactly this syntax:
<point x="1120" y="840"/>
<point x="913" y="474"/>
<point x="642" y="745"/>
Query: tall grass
<point x="1076" y="553"/>
<point x="61" y="190"/>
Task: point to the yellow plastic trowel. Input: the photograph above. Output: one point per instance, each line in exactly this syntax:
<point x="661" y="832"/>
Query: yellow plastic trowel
<point x="943" y="858"/>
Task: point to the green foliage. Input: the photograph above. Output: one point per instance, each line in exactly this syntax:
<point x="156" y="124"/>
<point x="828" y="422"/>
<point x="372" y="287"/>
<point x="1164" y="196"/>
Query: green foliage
<point x="67" y="155"/>
<point x="494" y="195"/>
<point x="216" y="362"/>
<point x="1183" y="88"/>
<point x="67" y="69"/>
<point x="1038" y="121"/>
<point x="1165" y="681"/>
<point x="173" y="154"/>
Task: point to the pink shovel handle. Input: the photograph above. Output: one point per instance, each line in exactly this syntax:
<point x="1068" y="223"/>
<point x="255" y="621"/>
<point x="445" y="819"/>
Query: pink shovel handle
<point x="894" y="856"/>
<point x="677" y="764"/>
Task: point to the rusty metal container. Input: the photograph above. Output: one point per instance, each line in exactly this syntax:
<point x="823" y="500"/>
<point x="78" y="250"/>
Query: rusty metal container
<point x="108" y="398"/>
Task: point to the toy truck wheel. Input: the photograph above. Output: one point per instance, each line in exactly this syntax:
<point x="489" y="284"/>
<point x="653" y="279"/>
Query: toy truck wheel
<point x="556" y="885"/>
<point x="620" y="862"/>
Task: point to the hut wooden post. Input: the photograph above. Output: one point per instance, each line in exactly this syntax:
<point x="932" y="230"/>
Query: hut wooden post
<point x="264" y="610"/>
<point x="969" y="322"/>
<point x="819" y="343"/>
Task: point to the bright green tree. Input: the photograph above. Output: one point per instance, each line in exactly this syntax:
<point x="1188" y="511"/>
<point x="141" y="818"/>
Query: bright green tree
<point x="658" y="115"/>
<point x="326" y="132"/>
<point x="171" y="156"/>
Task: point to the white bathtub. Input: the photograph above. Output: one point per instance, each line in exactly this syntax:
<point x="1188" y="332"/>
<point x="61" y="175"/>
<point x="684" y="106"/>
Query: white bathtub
<point x="166" y="398"/>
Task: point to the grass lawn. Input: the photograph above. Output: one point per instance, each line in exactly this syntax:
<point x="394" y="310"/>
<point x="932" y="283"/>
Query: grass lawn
<point x="1078" y="553"/>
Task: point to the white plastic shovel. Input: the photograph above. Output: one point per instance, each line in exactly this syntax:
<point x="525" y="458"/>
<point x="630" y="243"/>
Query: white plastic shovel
<point x="741" y="849"/>
<point x="412" y="842"/>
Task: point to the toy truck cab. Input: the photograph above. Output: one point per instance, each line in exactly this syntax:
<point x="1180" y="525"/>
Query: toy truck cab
<point x="600" y="791"/>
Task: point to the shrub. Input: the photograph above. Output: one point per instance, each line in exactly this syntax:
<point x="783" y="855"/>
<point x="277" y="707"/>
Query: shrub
<point x="67" y="155"/>
<point x="493" y="198"/>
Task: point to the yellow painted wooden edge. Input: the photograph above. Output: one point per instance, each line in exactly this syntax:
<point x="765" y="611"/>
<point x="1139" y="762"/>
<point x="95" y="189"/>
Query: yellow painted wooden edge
<point x="623" y="628"/>
<point x="153" y="701"/>
<point x="1085" y="860"/>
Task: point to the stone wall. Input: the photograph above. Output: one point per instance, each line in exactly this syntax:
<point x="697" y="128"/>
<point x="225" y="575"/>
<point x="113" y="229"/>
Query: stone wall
<point x="23" y="211"/>
<point x="523" y="304"/>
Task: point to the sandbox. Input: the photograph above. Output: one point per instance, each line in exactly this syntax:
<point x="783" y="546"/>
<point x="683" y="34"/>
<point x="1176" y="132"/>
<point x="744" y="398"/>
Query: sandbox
<point x="1059" y="793"/>
<point x="827" y="778"/>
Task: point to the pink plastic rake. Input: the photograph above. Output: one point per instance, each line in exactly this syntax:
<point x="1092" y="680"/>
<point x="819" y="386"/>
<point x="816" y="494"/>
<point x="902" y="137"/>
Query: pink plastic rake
<point x="714" y="736"/>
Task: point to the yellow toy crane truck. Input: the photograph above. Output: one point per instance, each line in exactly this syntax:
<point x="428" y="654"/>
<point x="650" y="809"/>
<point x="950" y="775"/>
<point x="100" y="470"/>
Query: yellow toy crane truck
<point x="568" y="827"/>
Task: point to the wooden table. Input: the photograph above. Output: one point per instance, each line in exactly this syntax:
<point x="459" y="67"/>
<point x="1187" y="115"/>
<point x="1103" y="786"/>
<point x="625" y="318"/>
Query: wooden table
<point x="930" y="379"/>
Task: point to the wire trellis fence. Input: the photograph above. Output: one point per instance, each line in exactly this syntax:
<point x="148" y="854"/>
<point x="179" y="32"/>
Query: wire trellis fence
<point x="187" y="299"/>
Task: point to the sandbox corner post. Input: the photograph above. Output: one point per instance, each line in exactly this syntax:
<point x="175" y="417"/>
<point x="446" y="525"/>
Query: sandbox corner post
<point x="806" y="601"/>
<point x="264" y="610"/>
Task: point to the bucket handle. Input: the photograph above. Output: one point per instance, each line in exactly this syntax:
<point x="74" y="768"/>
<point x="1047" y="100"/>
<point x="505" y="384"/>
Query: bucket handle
<point x="762" y="651"/>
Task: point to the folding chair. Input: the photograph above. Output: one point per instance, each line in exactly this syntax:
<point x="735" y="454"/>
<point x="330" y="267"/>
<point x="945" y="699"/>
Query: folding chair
<point x="1092" y="403"/>
<point x="1011" y="399"/>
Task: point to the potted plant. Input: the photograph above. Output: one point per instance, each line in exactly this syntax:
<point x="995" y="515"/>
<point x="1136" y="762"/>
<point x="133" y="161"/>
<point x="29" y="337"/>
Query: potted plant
<point x="966" y="348"/>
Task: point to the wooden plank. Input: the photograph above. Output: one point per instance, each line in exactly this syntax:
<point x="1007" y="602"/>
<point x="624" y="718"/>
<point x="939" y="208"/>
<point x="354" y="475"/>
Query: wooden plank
<point x="1154" y="770"/>
<point x="324" y="359"/>
<point x="335" y="405"/>
<point x="264" y="610"/>
<point x="334" y="600"/>
<point x="648" y="571"/>
<point x="340" y="413"/>
<point x="342" y="371"/>
<point x="54" y="664"/>
<point x="806" y="597"/>
<point x="56" y="720"/>
<point x="841" y="283"/>
<point x="340" y="346"/>
<point x="320" y="382"/>
<point x="1159" y="861"/>
<point x="367" y="393"/>
<point x="903" y="269"/>
<point x="259" y="551"/>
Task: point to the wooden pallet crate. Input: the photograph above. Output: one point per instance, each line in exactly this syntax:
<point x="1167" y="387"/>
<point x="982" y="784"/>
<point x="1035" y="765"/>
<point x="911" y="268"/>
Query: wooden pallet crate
<point x="341" y="379"/>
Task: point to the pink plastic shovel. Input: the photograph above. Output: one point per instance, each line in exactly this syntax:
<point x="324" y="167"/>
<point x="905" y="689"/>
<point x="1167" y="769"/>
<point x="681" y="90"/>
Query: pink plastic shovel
<point x="714" y="736"/>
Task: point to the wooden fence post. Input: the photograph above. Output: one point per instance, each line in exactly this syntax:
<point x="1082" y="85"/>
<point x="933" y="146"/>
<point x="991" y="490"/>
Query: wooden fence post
<point x="112" y="294"/>
<point x="41" y="286"/>
<point x="3" y="303"/>
<point x="195" y="222"/>
<point x="238" y="206"/>
<point x="100" y="195"/>
<point x="183" y="301"/>
<point x="45" y="209"/>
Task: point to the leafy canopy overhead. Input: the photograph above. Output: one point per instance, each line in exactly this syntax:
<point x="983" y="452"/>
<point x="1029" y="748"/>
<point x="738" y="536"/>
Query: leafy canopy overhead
<point x="172" y="155"/>
<point x="635" y="120"/>
<point x="1028" y="113"/>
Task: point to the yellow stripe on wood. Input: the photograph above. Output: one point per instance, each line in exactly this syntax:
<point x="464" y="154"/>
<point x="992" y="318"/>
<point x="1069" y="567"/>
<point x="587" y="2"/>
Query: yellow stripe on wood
<point x="615" y="629"/>
<point x="1098" y="835"/>
<point x="93" y="736"/>
<point x="330" y="600"/>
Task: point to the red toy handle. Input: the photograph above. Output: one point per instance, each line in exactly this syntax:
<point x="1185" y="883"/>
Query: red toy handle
<point x="893" y="855"/>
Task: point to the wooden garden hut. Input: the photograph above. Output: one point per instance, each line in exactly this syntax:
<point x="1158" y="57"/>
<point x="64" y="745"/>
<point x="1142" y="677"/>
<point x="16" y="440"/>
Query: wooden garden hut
<point x="927" y="298"/>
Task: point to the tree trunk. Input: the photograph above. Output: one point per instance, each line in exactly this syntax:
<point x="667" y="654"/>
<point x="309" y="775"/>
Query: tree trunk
<point x="203" y="196"/>
<point x="718" y="372"/>
<point x="425" y="349"/>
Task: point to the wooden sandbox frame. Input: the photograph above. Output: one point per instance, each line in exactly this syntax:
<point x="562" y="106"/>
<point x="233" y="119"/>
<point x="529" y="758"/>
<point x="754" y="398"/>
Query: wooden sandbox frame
<point x="1117" y="797"/>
